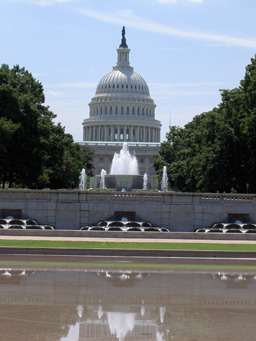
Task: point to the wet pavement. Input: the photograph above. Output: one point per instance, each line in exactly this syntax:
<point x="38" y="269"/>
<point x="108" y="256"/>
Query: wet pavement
<point x="127" y="240"/>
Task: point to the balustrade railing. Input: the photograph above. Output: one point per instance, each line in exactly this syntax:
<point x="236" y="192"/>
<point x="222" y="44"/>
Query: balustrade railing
<point x="107" y="196"/>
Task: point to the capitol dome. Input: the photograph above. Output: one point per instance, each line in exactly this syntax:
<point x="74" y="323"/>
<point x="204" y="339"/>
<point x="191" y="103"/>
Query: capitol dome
<point x="122" y="109"/>
<point x="122" y="81"/>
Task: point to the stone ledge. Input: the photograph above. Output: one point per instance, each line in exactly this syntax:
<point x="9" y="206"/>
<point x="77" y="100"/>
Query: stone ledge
<point x="130" y="235"/>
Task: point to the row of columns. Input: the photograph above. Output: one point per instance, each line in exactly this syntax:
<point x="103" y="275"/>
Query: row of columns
<point x="124" y="133"/>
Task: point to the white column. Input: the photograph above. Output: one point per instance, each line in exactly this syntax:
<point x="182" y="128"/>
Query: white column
<point x="125" y="133"/>
<point x="137" y="134"/>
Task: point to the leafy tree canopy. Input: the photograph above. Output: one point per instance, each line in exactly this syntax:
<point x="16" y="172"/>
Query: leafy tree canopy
<point x="216" y="151"/>
<point x="35" y="152"/>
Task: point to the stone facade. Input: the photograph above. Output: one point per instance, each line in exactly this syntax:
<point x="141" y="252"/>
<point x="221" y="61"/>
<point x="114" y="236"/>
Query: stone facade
<point x="181" y="212"/>
<point x="104" y="152"/>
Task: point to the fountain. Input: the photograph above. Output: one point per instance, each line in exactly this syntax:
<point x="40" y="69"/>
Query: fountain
<point x="124" y="163"/>
<point x="102" y="179"/>
<point x="164" y="183"/>
<point x="145" y="182"/>
<point x="82" y="179"/>
<point x="124" y="174"/>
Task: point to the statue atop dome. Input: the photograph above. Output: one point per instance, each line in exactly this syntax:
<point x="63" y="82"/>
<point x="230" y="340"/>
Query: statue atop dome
<point x="123" y="42"/>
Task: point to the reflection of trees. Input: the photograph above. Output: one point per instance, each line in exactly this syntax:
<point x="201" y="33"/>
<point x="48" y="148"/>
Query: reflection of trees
<point x="39" y="323"/>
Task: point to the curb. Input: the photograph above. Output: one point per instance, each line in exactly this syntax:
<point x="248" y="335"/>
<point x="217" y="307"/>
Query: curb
<point x="131" y="235"/>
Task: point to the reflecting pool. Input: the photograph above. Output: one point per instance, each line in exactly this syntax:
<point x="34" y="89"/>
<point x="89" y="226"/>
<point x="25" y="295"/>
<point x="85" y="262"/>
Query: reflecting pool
<point x="103" y="303"/>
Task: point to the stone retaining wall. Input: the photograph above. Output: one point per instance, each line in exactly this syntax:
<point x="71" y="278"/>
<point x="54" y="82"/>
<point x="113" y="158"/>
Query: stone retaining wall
<point x="178" y="211"/>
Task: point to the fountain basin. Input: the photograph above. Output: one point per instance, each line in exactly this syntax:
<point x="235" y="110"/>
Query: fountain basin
<point x="120" y="182"/>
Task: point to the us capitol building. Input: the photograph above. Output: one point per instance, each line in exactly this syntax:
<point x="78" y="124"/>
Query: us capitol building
<point x="122" y="111"/>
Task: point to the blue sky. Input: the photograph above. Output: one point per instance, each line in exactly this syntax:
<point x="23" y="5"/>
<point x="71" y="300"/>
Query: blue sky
<point x="186" y="50"/>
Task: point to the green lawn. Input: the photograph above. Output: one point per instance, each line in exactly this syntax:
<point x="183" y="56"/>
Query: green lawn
<point x="125" y="266"/>
<point x="130" y="245"/>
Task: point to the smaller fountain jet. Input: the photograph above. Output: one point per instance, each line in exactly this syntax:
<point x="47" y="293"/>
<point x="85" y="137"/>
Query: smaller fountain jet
<point x="82" y="178"/>
<point x="102" y="179"/>
<point x="164" y="184"/>
<point x="145" y="182"/>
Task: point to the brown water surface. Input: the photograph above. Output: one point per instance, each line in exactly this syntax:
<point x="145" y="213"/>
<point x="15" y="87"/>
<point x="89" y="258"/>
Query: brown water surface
<point x="54" y="303"/>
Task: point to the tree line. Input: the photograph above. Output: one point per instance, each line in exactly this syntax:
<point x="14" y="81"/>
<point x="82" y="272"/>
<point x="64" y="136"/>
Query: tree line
<point x="216" y="151"/>
<point x="34" y="151"/>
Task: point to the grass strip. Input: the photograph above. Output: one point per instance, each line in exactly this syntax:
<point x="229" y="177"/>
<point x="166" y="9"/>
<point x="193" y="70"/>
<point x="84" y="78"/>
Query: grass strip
<point x="124" y="266"/>
<point x="131" y="245"/>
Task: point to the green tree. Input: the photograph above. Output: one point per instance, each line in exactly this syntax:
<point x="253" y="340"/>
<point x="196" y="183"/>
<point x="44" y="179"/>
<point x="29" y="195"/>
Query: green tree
<point x="36" y="152"/>
<point x="7" y="131"/>
<point x="88" y="160"/>
<point x="216" y="151"/>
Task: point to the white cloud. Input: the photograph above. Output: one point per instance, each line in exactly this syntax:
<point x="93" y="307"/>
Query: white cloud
<point x="164" y="91"/>
<point x="127" y="18"/>
<point x="80" y="85"/>
<point x="54" y="94"/>
<point x="41" y="2"/>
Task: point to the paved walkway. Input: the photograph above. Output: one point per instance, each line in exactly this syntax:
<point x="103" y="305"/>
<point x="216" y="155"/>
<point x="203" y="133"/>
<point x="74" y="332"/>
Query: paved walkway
<point x="128" y="240"/>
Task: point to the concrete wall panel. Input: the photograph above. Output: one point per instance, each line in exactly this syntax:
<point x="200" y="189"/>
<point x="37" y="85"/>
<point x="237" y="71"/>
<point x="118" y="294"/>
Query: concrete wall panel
<point x="177" y="211"/>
